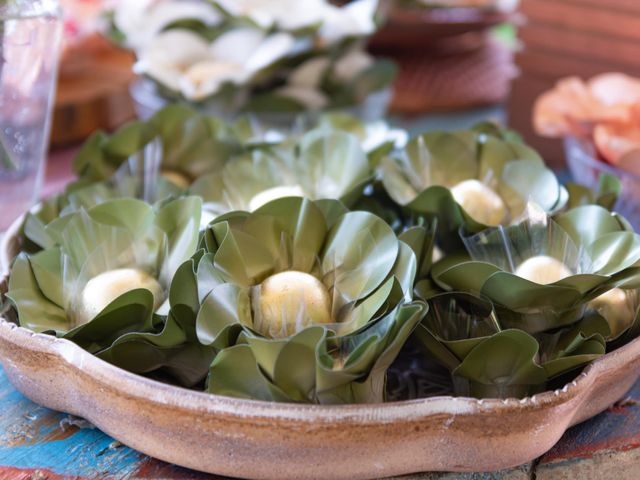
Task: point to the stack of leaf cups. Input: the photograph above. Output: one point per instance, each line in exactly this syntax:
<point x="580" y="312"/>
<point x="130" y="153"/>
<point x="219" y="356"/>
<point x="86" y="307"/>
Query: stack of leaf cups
<point x="526" y="283"/>
<point x="295" y="268"/>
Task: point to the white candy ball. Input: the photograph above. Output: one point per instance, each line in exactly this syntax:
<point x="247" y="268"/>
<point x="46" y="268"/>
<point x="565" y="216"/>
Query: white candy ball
<point x="104" y="288"/>
<point x="480" y="202"/>
<point x="274" y="193"/>
<point x="289" y="302"/>
<point x="543" y="269"/>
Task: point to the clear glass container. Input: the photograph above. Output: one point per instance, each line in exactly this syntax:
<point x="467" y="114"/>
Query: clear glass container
<point x="30" y="35"/>
<point x="586" y="168"/>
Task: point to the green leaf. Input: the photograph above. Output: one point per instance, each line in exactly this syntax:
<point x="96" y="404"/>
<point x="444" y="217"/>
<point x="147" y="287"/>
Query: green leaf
<point x="242" y="258"/>
<point x="180" y="221"/>
<point x="606" y="195"/>
<point x="35" y="311"/>
<point x="528" y="180"/>
<point x="169" y="351"/>
<point x="587" y="223"/>
<point x="130" y="312"/>
<point x="273" y="103"/>
<point x="502" y="362"/>
<point x="183" y="290"/>
<point x="128" y="213"/>
<point x="375" y="78"/>
<point x="47" y="269"/>
<point x="460" y="322"/>
<point x="296" y="220"/>
<point x="573" y="347"/>
<point x="295" y="367"/>
<point x="614" y="252"/>
<point x="235" y="373"/>
<point x="422" y="241"/>
<point x="226" y="307"/>
<point x="363" y="246"/>
<point x="332" y="165"/>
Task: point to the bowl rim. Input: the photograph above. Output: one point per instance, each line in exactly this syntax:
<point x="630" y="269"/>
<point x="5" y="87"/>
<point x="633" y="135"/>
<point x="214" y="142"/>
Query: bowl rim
<point x="131" y="384"/>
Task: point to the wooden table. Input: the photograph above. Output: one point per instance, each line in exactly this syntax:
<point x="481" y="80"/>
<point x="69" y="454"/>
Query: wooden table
<point x="38" y="444"/>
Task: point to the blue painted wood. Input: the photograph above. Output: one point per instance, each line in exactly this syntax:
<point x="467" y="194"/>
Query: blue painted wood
<point x="35" y="438"/>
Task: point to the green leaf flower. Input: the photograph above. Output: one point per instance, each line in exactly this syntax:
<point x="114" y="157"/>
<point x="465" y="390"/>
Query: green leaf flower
<point x="606" y="195"/>
<point x="470" y="178"/>
<point x="542" y="273"/>
<point x="190" y="145"/>
<point x="105" y="275"/>
<point x="464" y="333"/>
<point x="620" y="308"/>
<point x="84" y="194"/>
<point x="377" y="138"/>
<point x="320" y="165"/>
<point x="306" y="302"/>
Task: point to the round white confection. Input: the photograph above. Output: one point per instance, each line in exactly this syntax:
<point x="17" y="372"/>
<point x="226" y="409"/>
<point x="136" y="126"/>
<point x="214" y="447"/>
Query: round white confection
<point x="104" y="288"/>
<point x="274" y="193"/>
<point x="543" y="269"/>
<point x="482" y="203"/>
<point x="290" y="301"/>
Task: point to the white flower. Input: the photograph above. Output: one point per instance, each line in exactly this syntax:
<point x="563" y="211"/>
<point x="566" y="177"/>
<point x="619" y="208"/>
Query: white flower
<point x="304" y="82"/>
<point x="252" y="49"/>
<point x="310" y="98"/>
<point x="284" y="14"/>
<point x="310" y="73"/>
<point x="170" y="55"/>
<point x="141" y="20"/>
<point x="349" y="66"/>
<point x="355" y="19"/>
<point x="185" y="62"/>
<point x="236" y="57"/>
<point x="205" y="78"/>
<point x="379" y="132"/>
<point x="336" y="23"/>
<point x="271" y="49"/>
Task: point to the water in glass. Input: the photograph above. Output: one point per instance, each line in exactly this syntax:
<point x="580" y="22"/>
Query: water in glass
<point x="30" y="32"/>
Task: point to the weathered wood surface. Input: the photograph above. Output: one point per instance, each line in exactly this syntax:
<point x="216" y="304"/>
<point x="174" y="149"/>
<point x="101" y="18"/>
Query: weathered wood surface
<point x="37" y="443"/>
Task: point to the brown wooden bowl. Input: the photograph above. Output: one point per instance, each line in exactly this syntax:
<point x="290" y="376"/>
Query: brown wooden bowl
<point x="417" y="28"/>
<point x="263" y="440"/>
<point x="93" y="91"/>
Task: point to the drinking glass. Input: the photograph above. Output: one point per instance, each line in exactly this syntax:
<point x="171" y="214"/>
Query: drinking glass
<point x="30" y="35"/>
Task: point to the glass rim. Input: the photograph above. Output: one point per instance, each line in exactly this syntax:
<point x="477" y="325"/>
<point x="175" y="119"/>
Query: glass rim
<point x="587" y="156"/>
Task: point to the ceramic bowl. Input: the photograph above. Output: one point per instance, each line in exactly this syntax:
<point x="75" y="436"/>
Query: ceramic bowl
<point x="262" y="440"/>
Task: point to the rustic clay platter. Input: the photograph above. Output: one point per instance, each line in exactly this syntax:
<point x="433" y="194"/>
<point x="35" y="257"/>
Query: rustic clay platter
<point x="262" y="440"/>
